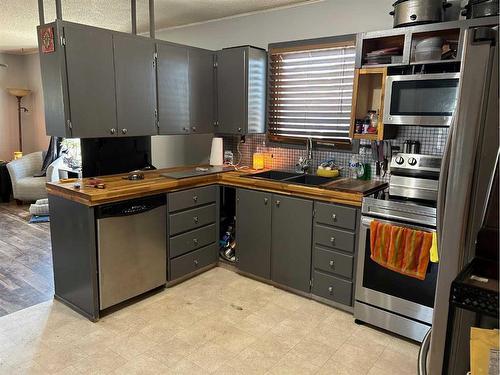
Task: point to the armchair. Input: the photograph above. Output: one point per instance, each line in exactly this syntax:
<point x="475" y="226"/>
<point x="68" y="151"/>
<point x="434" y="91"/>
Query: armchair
<point x="25" y="187"/>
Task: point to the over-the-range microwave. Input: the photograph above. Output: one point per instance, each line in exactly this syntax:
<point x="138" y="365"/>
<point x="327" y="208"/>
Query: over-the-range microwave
<point x="421" y="99"/>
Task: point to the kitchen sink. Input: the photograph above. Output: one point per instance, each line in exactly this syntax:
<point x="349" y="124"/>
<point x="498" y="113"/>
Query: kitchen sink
<point x="307" y="179"/>
<point x="274" y="175"/>
<point x="292" y="178"/>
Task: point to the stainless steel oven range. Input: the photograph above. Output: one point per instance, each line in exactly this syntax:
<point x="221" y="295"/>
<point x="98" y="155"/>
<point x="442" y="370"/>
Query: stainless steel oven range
<point x="385" y="298"/>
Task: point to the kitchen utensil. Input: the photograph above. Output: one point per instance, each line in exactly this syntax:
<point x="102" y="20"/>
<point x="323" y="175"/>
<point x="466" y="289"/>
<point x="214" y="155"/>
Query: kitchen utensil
<point x="406" y="146"/>
<point x="429" y="49"/>
<point x="415" y="147"/>
<point x="387" y="156"/>
<point x="134" y="176"/>
<point x="480" y="8"/>
<point x="416" y="12"/>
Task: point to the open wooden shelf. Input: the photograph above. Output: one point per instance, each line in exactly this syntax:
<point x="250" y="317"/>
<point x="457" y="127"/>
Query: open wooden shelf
<point x="369" y="136"/>
<point x="368" y="94"/>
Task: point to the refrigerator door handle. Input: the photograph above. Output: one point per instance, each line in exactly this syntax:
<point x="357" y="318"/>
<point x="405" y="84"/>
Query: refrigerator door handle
<point x="443" y="177"/>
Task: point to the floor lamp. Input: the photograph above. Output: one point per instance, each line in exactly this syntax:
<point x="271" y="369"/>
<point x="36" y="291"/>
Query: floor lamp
<point x="19" y="94"/>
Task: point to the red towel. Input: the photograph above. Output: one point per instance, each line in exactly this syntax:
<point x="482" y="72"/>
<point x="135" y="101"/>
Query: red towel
<point x="400" y="249"/>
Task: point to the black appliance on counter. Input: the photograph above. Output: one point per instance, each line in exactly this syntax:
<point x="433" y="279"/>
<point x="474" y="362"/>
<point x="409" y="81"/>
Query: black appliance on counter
<point x="104" y="156"/>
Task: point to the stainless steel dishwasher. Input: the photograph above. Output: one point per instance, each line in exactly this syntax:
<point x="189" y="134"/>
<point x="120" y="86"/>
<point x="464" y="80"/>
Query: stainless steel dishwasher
<point x="132" y="248"/>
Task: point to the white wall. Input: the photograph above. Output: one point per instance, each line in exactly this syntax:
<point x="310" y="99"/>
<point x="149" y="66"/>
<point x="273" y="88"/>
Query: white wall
<point x="23" y="72"/>
<point x="35" y="138"/>
<point x="324" y="18"/>
<point x="319" y="19"/>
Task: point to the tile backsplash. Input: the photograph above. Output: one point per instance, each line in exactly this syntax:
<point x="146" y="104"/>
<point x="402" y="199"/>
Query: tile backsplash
<point x="285" y="156"/>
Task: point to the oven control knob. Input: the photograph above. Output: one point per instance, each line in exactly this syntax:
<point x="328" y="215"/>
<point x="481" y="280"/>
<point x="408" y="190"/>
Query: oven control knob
<point x="412" y="161"/>
<point x="400" y="160"/>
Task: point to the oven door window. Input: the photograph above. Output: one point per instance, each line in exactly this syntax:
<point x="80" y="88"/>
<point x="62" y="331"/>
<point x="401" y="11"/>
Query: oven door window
<point x="433" y="97"/>
<point x="383" y="280"/>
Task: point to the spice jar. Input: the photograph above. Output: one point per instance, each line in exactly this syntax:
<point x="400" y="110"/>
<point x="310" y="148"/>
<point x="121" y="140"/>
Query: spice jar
<point x="373" y="116"/>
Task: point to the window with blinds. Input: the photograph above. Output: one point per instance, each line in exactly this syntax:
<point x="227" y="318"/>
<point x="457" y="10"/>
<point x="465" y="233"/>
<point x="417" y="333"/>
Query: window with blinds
<point x="310" y="91"/>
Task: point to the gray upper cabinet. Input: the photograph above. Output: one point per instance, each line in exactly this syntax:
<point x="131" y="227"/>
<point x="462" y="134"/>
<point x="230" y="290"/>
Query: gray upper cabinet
<point x="91" y="83"/>
<point x="135" y="85"/>
<point x="291" y="242"/>
<point x="253" y="234"/>
<point x="173" y="88"/>
<point x="241" y="90"/>
<point x="201" y="90"/>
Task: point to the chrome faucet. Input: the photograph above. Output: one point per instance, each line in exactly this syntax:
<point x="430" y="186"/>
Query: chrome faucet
<point x="304" y="164"/>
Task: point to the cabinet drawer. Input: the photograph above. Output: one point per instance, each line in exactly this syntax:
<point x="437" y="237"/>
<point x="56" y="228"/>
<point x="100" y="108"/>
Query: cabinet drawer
<point x="182" y="200"/>
<point x="191" y="219"/>
<point x="338" y="216"/>
<point x="184" y="243"/>
<point x="332" y="288"/>
<point x="185" y="264"/>
<point x="334" y="238"/>
<point x="331" y="261"/>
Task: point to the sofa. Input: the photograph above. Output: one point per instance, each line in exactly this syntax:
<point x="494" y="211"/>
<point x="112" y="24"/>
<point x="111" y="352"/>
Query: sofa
<point x="26" y="187"/>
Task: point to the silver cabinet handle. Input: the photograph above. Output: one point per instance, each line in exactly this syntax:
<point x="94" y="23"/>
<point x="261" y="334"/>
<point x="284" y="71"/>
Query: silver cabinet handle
<point x="124" y="131"/>
<point x="185" y="129"/>
<point x="112" y="131"/>
<point x="334" y="217"/>
<point x="332" y="239"/>
<point x="196" y="262"/>
<point x="330" y="289"/>
<point x="193" y="128"/>
<point x="278" y="203"/>
<point x="332" y="264"/>
<point x="266" y="200"/>
<point x="195" y="198"/>
<point x="239" y="130"/>
<point x="195" y="241"/>
<point x="195" y="218"/>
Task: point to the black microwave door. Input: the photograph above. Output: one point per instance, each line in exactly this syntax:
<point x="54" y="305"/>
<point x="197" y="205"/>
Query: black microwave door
<point x="432" y="97"/>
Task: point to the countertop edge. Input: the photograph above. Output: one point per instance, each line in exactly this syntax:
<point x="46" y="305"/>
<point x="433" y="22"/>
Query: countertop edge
<point x="233" y="179"/>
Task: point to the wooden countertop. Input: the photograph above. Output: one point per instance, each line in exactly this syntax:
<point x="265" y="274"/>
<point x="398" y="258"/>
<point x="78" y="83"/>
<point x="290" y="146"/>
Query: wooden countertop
<point x="343" y="190"/>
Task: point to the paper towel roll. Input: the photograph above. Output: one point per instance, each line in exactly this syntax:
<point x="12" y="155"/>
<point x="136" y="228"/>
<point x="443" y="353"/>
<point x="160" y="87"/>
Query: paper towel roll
<point x="216" y="154"/>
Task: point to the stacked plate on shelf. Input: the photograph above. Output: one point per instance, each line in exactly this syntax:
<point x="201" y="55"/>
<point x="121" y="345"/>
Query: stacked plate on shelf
<point x="392" y="55"/>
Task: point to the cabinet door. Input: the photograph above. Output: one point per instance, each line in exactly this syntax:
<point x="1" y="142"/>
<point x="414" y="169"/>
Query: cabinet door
<point x="173" y="90"/>
<point x="91" y="81"/>
<point x="231" y="91"/>
<point x="253" y="232"/>
<point x="291" y="242"/>
<point x="135" y="85"/>
<point x="201" y="91"/>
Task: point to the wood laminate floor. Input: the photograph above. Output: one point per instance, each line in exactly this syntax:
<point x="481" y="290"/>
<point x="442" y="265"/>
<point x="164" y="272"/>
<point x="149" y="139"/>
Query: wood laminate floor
<point x="26" y="276"/>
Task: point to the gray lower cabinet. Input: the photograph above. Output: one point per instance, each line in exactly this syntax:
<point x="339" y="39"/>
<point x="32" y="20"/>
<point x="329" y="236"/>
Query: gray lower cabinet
<point x="191" y="262"/>
<point x="173" y="88"/>
<point x="253" y="232"/>
<point x="291" y="242"/>
<point x="333" y="256"/>
<point x="333" y="288"/>
<point x="135" y="85"/>
<point x="193" y="230"/>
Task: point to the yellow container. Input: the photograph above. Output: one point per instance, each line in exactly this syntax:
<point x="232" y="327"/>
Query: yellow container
<point x="258" y="160"/>
<point x="328" y="173"/>
<point x="18" y="155"/>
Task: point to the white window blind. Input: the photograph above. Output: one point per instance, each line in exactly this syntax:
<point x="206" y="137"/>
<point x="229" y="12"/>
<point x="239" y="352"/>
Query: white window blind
<point x="310" y="92"/>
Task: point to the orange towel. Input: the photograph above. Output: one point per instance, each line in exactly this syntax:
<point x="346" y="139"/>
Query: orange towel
<point x="400" y="249"/>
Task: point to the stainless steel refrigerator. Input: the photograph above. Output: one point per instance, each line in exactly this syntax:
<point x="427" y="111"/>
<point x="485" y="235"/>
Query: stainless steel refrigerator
<point x="466" y="178"/>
